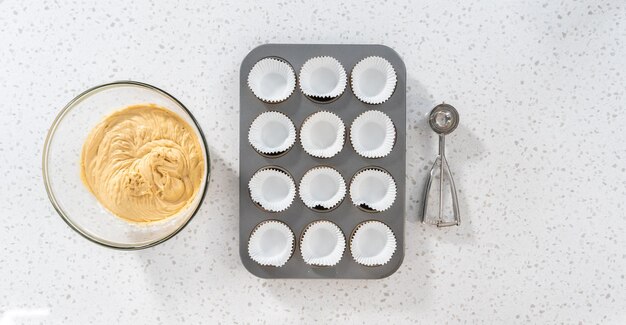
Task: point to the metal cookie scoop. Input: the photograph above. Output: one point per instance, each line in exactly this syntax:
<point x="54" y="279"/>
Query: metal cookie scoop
<point x="443" y="120"/>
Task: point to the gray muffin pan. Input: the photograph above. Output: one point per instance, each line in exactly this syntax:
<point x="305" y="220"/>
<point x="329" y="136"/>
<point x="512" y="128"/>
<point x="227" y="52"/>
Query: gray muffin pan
<point x="296" y="161"/>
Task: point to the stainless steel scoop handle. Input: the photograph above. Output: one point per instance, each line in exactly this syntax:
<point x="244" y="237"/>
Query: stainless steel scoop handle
<point x="444" y="171"/>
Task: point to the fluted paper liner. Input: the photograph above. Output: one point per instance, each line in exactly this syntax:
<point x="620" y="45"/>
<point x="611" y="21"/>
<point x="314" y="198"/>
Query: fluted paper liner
<point x="373" y="134"/>
<point x="272" y="80"/>
<point x="273" y="189"/>
<point x="322" y="186"/>
<point x="323" y="77"/>
<point x="373" y="188"/>
<point x="322" y="244"/>
<point x="372" y="244"/>
<point x="272" y="133"/>
<point x="271" y="243"/>
<point x="322" y="134"/>
<point x="373" y="80"/>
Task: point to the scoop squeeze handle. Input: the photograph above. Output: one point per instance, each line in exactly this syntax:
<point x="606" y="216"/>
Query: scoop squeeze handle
<point x="444" y="172"/>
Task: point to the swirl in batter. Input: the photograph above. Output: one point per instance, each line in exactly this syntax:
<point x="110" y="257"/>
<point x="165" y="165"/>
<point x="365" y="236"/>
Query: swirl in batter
<point x="143" y="163"/>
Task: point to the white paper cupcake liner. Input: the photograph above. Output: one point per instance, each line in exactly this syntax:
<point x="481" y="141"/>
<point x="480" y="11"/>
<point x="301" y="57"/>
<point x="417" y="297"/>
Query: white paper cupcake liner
<point x="373" y="80"/>
<point x="272" y="80"/>
<point x="374" y="189"/>
<point x="323" y="77"/>
<point x="272" y="189"/>
<point x="373" y="134"/>
<point x="272" y="133"/>
<point x="322" y="187"/>
<point x="322" y="244"/>
<point x="322" y="134"/>
<point x="271" y="243"/>
<point x="372" y="244"/>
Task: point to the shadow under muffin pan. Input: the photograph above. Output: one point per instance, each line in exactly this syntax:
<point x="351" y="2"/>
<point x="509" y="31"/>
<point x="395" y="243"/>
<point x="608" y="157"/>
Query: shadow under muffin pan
<point x="296" y="162"/>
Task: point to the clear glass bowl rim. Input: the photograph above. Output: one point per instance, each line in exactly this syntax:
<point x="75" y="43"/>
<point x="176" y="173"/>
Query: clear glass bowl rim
<point x="46" y="150"/>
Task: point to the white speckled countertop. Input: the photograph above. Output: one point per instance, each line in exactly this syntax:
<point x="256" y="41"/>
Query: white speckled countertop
<point x="539" y="159"/>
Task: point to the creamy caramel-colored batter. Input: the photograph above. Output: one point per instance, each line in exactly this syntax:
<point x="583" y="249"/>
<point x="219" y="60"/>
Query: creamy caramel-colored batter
<point x="143" y="163"/>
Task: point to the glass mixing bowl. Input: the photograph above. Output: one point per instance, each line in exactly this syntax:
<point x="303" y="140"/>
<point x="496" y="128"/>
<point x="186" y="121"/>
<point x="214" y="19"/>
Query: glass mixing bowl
<point x="61" y="167"/>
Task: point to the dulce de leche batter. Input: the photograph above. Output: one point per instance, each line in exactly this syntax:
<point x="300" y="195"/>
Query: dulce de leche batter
<point x="143" y="163"/>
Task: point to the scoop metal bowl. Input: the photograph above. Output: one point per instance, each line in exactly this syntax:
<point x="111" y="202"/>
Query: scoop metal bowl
<point x="444" y="119"/>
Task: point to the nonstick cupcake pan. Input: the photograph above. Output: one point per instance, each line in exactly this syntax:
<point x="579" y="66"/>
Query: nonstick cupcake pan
<point x="277" y="228"/>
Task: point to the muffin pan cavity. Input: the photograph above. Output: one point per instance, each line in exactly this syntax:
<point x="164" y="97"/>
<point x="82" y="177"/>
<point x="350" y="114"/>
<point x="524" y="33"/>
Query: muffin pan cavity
<point x="322" y="78"/>
<point x="272" y="80"/>
<point x="322" y="188"/>
<point x="322" y="134"/>
<point x="373" y="243"/>
<point x="373" y="134"/>
<point x="272" y="189"/>
<point x="322" y="244"/>
<point x="374" y="80"/>
<point x="272" y="134"/>
<point x="373" y="189"/>
<point x="271" y="243"/>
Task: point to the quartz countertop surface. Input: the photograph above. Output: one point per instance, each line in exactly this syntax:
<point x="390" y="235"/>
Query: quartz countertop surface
<point x="539" y="160"/>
